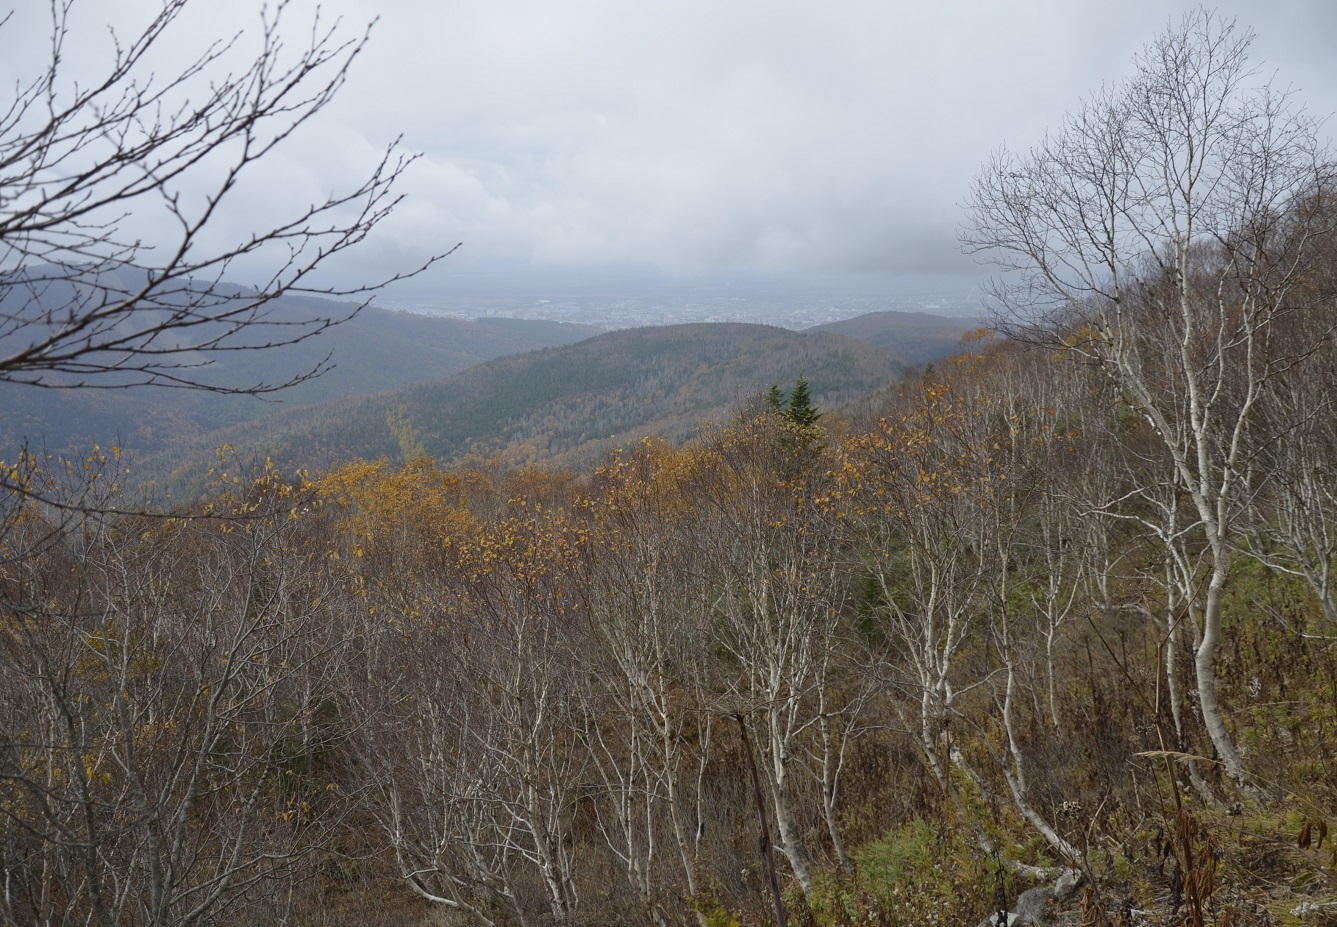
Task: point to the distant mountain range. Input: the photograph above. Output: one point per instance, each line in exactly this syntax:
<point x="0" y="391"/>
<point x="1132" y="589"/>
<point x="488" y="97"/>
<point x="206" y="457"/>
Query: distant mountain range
<point x="518" y="391"/>
<point x="375" y="350"/>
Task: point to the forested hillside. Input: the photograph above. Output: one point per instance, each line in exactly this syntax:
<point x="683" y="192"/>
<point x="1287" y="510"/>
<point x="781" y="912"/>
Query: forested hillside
<point x="374" y="350"/>
<point x="954" y="648"/>
<point x="917" y="337"/>
<point x="558" y="406"/>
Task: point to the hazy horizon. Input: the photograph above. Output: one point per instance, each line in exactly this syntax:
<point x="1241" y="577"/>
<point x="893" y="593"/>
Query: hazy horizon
<point x="631" y="297"/>
<point x="742" y="141"/>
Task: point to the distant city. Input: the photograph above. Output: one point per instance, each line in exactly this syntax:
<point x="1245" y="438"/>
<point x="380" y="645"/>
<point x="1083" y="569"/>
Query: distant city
<point x="792" y="305"/>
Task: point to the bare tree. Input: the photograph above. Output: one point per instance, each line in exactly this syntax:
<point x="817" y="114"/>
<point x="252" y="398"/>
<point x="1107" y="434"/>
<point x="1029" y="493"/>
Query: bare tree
<point x="476" y="775"/>
<point x="1294" y="524"/>
<point x="966" y="542"/>
<point x="85" y="301"/>
<point x="923" y="480"/>
<point x="1160" y="235"/>
<point x="648" y="723"/>
<point x="779" y="594"/>
<point x="160" y="682"/>
<point x="1038" y="575"/>
<point x="163" y="705"/>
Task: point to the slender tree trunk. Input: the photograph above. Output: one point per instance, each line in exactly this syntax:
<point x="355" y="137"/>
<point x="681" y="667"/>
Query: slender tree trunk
<point x="1205" y="667"/>
<point x="767" y="849"/>
<point x="791" y="837"/>
<point x="831" y="762"/>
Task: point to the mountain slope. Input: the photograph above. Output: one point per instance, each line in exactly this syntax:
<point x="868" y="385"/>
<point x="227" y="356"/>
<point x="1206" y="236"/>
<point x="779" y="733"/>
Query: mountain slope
<point x="560" y="406"/>
<point x="918" y="337"/>
<point x="375" y="350"/>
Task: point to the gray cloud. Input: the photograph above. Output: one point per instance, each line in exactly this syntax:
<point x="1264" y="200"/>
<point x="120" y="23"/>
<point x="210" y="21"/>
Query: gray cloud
<point x="707" y="136"/>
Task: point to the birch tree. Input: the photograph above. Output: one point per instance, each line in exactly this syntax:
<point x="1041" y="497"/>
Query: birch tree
<point x="477" y="768"/>
<point x="649" y="724"/>
<point x="1160" y="235"/>
<point x="778" y="593"/>
<point x="923" y="481"/>
<point x="1294" y="515"/>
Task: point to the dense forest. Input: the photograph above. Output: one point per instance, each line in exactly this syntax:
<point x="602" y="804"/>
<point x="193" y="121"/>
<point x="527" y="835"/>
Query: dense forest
<point x="1050" y="629"/>
<point x="959" y="644"/>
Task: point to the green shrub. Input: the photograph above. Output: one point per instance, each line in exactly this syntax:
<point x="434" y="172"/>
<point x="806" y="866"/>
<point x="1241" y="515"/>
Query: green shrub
<point x="916" y="875"/>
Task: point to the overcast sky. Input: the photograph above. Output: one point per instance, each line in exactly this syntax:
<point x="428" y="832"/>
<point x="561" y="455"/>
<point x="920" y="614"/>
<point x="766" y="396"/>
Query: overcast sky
<point x="703" y="136"/>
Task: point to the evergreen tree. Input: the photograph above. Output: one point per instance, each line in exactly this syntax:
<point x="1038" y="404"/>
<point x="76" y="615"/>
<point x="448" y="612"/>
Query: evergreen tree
<point x="801" y="411"/>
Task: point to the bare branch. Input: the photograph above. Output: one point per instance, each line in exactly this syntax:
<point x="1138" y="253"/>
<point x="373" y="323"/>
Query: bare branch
<point x="84" y="301"/>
